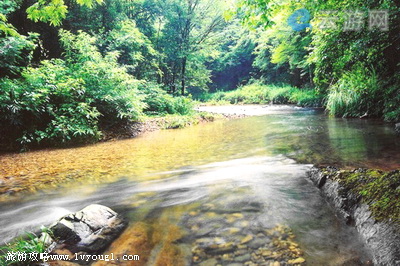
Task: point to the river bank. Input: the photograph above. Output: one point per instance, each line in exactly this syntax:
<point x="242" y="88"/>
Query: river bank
<point x="203" y="114"/>
<point x="367" y="200"/>
<point x="150" y="124"/>
<point x="250" y="109"/>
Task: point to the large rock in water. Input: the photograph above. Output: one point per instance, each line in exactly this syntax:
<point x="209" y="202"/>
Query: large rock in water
<point x="89" y="231"/>
<point x="397" y="127"/>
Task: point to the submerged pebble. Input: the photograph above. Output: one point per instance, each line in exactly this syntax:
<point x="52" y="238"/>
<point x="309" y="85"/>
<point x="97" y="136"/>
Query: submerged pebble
<point x="216" y="242"/>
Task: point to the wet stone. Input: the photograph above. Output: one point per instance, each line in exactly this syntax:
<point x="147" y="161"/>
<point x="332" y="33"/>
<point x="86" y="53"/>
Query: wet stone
<point x="297" y="261"/>
<point x="209" y="262"/>
<point x="243" y="258"/>
<point x="90" y="230"/>
<point x="243" y="224"/>
<point x="246" y="239"/>
<point x="241" y="252"/>
<point x="225" y="235"/>
<point x="233" y="230"/>
<point x="275" y="263"/>
<point x="204" y="232"/>
<point x="257" y="243"/>
<point x="219" y="250"/>
<point x="227" y="257"/>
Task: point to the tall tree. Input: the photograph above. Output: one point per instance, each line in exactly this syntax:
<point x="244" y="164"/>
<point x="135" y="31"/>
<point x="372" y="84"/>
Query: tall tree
<point x="189" y="26"/>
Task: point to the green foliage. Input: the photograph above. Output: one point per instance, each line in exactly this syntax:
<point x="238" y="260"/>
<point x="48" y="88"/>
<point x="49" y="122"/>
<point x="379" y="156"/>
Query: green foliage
<point x="53" y="11"/>
<point x="158" y="102"/>
<point x="306" y="98"/>
<point x="28" y="244"/>
<point x="16" y="50"/>
<point x="135" y="48"/>
<point x="258" y="93"/>
<point x="16" y="53"/>
<point x="356" y="94"/>
<point x="187" y="40"/>
<point x="255" y="13"/>
<point x="6" y="7"/>
<point x="234" y="63"/>
<point x="330" y="58"/>
<point x="64" y="101"/>
<point x="113" y="90"/>
<point x="47" y="105"/>
<point x="250" y="94"/>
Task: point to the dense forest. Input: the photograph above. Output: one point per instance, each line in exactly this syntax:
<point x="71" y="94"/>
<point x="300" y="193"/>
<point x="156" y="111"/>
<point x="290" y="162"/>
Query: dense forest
<point x="70" y="69"/>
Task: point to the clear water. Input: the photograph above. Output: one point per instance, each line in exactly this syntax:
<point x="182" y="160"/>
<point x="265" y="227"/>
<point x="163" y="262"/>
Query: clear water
<point x="158" y="179"/>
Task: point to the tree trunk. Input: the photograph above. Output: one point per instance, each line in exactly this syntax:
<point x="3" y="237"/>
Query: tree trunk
<point x="173" y="84"/>
<point x="184" y="60"/>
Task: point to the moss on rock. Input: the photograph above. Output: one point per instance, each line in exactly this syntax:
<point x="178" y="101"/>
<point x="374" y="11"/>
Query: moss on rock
<point x="380" y="190"/>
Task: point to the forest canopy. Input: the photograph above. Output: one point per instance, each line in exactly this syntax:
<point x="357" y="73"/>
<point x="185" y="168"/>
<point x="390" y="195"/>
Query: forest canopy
<point x="70" y="69"/>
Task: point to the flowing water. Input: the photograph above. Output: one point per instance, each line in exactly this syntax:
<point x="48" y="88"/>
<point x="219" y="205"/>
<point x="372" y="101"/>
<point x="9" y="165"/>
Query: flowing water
<point x="239" y="182"/>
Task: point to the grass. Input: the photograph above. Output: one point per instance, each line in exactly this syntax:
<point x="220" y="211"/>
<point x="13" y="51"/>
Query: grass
<point x="356" y="94"/>
<point x="25" y="245"/>
<point x="258" y="93"/>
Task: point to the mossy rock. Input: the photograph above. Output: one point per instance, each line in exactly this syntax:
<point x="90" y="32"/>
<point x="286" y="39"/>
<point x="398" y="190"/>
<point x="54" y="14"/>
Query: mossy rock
<point x="378" y="189"/>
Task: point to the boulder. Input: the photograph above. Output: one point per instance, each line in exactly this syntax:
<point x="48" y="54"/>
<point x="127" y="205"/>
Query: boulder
<point x="397" y="128"/>
<point x="89" y="231"/>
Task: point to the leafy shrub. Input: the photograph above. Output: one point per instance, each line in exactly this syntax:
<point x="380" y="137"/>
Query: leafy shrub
<point x="47" y="105"/>
<point x="250" y="94"/>
<point x="16" y="53"/>
<point x="280" y="95"/>
<point x="306" y="98"/>
<point x="113" y="91"/>
<point x="182" y="105"/>
<point x="159" y="102"/>
<point x="69" y="100"/>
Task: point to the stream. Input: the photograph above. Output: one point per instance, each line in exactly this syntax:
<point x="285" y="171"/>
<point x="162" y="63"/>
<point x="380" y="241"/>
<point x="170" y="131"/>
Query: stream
<point x="231" y="191"/>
